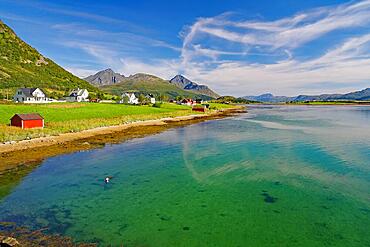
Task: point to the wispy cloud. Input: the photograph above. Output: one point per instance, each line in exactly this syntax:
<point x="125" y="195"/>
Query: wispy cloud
<point x="113" y="39"/>
<point x="81" y="14"/>
<point x="342" y="63"/>
<point x="246" y="56"/>
<point x="288" y="32"/>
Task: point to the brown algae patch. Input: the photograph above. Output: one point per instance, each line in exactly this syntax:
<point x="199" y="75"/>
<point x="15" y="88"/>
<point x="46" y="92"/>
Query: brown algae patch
<point x="30" y="238"/>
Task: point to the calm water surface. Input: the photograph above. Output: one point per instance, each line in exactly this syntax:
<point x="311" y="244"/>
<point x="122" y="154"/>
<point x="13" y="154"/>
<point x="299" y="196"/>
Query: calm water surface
<point x="277" y="176"/>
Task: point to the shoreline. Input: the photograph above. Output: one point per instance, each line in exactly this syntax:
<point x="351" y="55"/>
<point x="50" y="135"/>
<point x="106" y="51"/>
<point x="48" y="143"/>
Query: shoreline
<point x="35" y="150"/>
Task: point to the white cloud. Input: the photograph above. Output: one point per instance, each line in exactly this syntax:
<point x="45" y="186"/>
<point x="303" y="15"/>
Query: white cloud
<point x="343" y="67"/>
<point x="348" y="63"/>
<point x="216" y="51"/>
<point x="288" y="32"/>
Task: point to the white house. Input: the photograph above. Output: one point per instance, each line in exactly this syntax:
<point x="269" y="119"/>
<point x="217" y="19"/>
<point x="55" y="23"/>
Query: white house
<point x="151" y="98"/>
<point x="130" y="98"/>
<point x="30" y="95"/>
<point x="78" y="95"/>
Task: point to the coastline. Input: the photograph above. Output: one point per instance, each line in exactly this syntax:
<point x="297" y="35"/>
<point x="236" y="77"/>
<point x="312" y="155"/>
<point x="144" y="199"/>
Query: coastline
<point x="34" y="150"/>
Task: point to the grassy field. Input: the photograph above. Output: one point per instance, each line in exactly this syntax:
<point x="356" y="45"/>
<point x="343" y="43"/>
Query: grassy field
<point x="73" y="117"/>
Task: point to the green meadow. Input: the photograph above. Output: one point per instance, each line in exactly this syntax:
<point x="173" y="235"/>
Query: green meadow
<point x="74" y="117"/>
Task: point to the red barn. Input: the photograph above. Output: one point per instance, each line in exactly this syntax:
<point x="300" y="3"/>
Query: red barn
<point x="26" y="121"/>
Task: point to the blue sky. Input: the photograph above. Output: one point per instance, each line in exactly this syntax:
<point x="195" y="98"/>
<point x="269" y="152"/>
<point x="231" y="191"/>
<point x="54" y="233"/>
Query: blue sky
<point x="236" y="47"/>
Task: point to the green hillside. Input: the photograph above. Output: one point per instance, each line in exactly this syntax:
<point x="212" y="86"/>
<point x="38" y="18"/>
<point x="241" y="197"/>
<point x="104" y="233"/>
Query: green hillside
<point x="144" y="83"/>
<point x="23" y="66"/>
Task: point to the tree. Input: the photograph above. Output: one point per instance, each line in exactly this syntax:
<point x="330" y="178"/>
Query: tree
<point x="142" y="99"/>
<point x="125" y="99"/>
<point x="100" y="95"/>
<point x="163" y="97"/>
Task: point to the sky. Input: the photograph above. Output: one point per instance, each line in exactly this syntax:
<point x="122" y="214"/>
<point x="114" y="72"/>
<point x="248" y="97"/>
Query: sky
<point x="285" y="47"/>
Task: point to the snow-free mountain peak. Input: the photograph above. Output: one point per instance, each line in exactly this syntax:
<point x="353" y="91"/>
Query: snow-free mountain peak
<point x="105" y="77"/>
<point x="184" y="83"/>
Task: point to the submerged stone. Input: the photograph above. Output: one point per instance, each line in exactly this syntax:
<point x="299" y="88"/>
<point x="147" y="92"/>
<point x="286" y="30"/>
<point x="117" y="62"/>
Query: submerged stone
<point x="268" y="198"/>
<point x="165" y="218"/>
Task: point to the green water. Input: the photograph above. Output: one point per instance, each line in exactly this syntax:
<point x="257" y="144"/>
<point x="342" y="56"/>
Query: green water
<point x="276" y="176"/>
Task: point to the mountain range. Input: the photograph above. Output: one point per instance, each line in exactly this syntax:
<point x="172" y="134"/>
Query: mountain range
<point x="23" y="66"/>
<point x="184" y="83"/>
<point x="268" y="97"/>
<point x="115" y="83"/>
<point x="145" y="83"/>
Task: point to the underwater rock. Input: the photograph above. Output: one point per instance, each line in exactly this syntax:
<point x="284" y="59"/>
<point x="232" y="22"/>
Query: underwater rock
<point x="8" y="242"/>
<point x="165" y="218"/>
<point x="186" y="228"/>
<point x="268" y="198"/>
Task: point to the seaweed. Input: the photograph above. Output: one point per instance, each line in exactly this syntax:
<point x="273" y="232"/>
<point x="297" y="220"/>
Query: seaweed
<point x="35" y="238"/>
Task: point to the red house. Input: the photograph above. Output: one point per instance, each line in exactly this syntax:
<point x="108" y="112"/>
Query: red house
<point x="26" y="121"/>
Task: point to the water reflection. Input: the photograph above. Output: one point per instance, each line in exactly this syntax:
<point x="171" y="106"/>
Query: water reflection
<point x="277" y="142"/>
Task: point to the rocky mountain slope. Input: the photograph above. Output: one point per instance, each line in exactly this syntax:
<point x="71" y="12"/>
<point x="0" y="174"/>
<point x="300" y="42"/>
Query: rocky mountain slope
<point x="184" y="83"/>
<point x="23" y="66"/>
<point x="105" y="77"/>
<point x="115" y="83"/>
<point x="144" y="83"/>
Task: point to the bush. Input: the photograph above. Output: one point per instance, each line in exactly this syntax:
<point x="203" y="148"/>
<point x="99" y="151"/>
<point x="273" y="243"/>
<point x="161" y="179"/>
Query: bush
<point x="157" y="104"/>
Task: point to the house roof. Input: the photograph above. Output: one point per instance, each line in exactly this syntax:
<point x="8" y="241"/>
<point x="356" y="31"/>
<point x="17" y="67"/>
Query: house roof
<point x="29" y="116"/>
<point x="28" y="91"/>
<point x="128" y="94"/>
<point x="77" y="92"/>
<point x="187" y="100"/>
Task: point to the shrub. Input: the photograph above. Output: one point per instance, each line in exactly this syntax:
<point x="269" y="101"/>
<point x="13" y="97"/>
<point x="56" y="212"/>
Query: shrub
<point x="157" y="104"/>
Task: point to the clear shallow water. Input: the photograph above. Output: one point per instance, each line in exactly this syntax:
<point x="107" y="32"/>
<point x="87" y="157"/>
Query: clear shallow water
<point x="277" y="176"/>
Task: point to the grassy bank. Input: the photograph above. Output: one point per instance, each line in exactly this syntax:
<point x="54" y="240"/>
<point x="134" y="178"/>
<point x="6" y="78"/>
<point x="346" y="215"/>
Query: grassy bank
<point x="74" y="117"/>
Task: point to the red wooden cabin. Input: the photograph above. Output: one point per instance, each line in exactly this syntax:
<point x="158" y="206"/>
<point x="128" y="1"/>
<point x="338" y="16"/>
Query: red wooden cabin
<point x="26" y="121"/>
